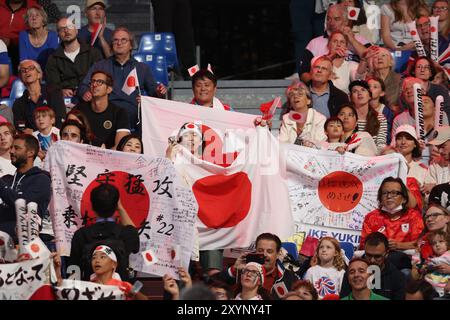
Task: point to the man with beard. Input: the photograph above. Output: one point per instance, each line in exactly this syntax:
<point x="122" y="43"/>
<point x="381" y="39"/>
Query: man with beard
<point x="28" y="182"/>
<point x="70" y="62"/>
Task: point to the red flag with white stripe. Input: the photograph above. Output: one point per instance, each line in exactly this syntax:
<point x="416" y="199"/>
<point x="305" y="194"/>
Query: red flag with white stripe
<point x="94" y="35"/>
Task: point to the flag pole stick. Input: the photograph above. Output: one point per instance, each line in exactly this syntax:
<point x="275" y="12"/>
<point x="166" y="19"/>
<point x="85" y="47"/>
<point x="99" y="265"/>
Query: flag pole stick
<point x="139" y="105"/>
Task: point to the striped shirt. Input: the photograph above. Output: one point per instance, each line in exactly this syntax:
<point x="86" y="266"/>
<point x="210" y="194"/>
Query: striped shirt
<point x="380" y="137"/>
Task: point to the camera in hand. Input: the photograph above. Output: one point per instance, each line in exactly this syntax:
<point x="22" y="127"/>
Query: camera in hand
<point x="255" y="257"/>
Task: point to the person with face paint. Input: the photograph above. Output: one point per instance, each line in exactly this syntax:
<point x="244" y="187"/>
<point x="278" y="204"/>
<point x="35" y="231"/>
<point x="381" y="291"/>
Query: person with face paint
<point x="400" y="224"/>
<point x="251" y="283"/>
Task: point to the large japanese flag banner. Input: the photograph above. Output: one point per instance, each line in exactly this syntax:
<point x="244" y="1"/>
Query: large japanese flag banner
<point x="161" y="207"/>
<point x="236" y="201"/>
<point x="84" y="290"/>
<point x="332" y="193"/>
<point x="25" y="280"/>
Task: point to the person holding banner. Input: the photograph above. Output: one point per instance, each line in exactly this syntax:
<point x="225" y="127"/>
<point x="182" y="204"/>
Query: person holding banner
<point x="96" y="33"/>
<point x="131" y="143"/>
<point x="358" y="142"/>
<point x="29" y="182"/>
<point x="204" y="87"/>
<point x="397" y="217"/>
<point x="311" y="128"/>
<point x="73" y="131"/>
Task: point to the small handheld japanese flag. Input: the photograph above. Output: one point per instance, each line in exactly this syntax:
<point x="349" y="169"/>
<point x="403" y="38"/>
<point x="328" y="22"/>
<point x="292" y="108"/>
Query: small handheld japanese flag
<point x="94" y="35"/>
<point x="268" y="109"/>
<point x="37" y="249"/>
<point x="297" y="116"/>
<point x="131" y="82"/>
<point x="353" y="13"/>
<point x="193" y="70"/>
<point x="149" y="257"/>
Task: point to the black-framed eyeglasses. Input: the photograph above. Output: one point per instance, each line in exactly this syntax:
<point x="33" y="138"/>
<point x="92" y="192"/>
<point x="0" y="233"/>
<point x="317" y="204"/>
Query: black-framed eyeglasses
<point x="433" y="215"/>
<point x="97" y="82"/>
<point x="391" y="194"/>
<point x="27" y="69"/>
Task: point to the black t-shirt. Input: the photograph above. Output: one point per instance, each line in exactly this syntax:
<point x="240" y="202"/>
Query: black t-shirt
<point x="105" y="124"/>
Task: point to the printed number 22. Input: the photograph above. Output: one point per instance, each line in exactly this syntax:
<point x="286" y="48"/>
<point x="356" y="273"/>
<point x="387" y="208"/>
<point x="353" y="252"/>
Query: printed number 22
<point x="168" y="232"/>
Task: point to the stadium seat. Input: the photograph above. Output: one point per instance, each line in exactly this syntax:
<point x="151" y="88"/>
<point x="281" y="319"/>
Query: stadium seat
<point x="401" y="60"/>
<point x="348" y="248"/>
<point x="158" y="65"/>
<point x="160" y="44"/>
<point x="291" y="248"/>
<point x="17" y="90"/>
<point x="6" y="101"/>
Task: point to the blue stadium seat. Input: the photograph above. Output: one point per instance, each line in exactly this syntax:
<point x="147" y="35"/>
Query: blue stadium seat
<point x="291" y="248"/>
<point x="157" y="64"/>
<point x="17" y="89"/>
<point x="401" y="60"/>
<point x="6" y="101"/>
<point x="162" y="43"/>
<point x="348" y="248"/>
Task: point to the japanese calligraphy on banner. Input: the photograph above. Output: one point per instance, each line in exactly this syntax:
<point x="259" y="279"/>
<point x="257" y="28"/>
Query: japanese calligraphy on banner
<point x="332" y="193"/>
<point x="162" y="208"/>
<point x="84" y="290"/>
<point x="19" y="281"/>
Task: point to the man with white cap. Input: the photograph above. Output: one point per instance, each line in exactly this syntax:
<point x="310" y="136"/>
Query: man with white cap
<point x="439" y="172"/>
<point x="95" y="14"/>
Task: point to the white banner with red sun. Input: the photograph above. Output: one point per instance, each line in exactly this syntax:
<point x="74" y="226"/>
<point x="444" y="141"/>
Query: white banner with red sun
<point x="160" y="206"/>
<point x="332" y="193"/>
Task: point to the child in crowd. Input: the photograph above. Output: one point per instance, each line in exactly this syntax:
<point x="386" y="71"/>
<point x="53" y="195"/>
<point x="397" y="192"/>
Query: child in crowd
<point x="334" y="129"/>
<point x="436" y="267"/>
<point x="327" y="267"/>
<point x="46" y="134"/>
<point x="305" y="290"/>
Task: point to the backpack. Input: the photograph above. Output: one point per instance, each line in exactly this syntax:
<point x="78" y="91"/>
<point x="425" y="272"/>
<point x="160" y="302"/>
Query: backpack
<point x="110" y="238"/>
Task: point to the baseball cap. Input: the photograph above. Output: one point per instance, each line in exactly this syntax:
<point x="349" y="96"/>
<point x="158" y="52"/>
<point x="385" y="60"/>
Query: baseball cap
<point x="408" y="129"/>
<point x="441" y="135"/>
<point x="90" y="3"/>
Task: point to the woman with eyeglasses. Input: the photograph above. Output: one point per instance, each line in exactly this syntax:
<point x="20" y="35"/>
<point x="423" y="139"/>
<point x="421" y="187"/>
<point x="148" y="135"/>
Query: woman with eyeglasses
<point x="251" y="283"/>
<point x="440" y="8"/>
<point x="305" y="131"/>
<point x="395" y="218"/>
<point x="37" y="43"/>
<point x="437" y="218"/>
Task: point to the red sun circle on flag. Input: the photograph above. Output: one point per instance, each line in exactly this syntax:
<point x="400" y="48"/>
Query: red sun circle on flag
<point x="131" y="82"/>
<point x="340" y="191"/>
<point x="296" y="116"/>
<point x="133" y="195"/>
<point x="413" y="32"/>
<point x="35" y="248"/>
<point x="193" y="70"/>
<point x="433" y="29"/>
<point x="190" y="126"/>
<point x="223" y="201"/>
<point x="352" y="13"/>
<point x="99" y="248"/>
<point x="149" y="257"/>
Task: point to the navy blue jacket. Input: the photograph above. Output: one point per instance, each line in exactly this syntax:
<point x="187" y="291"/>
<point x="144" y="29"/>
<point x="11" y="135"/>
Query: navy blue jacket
<point x="33" y="186"/>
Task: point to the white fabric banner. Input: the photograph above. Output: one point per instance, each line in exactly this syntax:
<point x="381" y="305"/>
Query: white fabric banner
<point x="332" y="193"/>
<point x="19" y="281"/>
<point x="162" y="208"/>
<point x="239" y="200"/>
<point x="84" y="290"/>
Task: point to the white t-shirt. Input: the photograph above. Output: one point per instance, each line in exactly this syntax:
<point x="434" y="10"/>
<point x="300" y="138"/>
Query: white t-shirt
<point x="344" y="75"/>
<point x="72" y="55"/>
<point x="6" y="167"/>
<point x="325" y="280"/>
